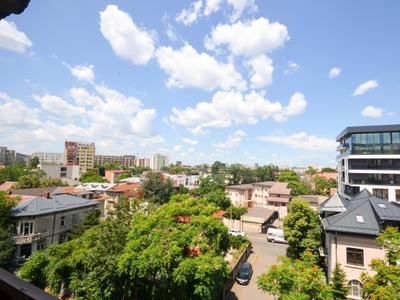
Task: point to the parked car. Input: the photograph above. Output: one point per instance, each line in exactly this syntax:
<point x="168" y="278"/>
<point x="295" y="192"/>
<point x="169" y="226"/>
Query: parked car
<point x="244" y="274"/>
<point x="236" y="232"/>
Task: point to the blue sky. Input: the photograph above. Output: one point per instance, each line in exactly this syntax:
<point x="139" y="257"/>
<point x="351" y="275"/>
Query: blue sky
<point x="236" y="81"/>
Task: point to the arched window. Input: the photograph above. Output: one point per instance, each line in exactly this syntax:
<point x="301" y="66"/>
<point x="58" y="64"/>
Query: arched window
<point x="355" y="287"/>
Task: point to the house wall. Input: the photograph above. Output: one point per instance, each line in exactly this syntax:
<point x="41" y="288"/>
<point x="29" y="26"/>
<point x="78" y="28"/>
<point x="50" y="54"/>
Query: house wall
<point x="239" y="197"/>
<point x="337" y="248"/>
<point x="50" y="227"/>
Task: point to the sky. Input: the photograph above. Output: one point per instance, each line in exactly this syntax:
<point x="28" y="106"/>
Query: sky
<point x="235" y="81"/>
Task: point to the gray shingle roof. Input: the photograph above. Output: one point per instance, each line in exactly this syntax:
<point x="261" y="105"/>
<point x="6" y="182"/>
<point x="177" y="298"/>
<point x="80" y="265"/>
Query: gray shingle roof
<point x="56" y="203"/>
<point x="334" y="203"/>
<point x="364" y="215"/>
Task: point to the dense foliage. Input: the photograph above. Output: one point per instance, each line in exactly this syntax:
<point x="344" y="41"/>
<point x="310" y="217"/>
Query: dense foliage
<point x="34" y="181"/>
<point x="302" y="228"/>
<point x="6" y="240"/>
<point x="157" y="189"/>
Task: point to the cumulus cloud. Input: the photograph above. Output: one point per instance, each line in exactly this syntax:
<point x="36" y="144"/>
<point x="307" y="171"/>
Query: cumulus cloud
<point x="83" y="72"/>
<point x="334" y="72"/>
<point x="212" y="6"/>
<point x="190" y="15"/>
<point x="231" y="107"/>
<point x="198" y="130"/>
<point x="301" y="141"/>
<point x="188" y="68"/>
<point x="126" y="39"/>
<point x="232" y="141"/>
<point x="13" y="39"/>
<point x="190" y="142"/>
<point x="25" y="117"/>
<point x="239" y="7"/>
<point x="362" y="88"/>
<point x="256" y="37"/>
<point x="57" y="105"/>
<point x="372" y="112"/>
<point x="83" y="97"/>
<point x="262" y="70"/>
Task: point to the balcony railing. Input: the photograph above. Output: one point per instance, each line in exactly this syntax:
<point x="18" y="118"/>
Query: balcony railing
<point x="374" y="167"/>
<point x="373" y="181"/>
<point x="26" y="239"/>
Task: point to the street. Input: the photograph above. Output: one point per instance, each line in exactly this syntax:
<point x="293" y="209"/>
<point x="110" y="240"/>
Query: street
<point x="264" y="254"/>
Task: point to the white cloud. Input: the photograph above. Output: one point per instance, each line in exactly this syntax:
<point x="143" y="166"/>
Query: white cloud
<point x="232" y="140"/>
<point x="83" y="72"/>
<point x="334" y="72"/>
<point x="188" y="68"/>
<point x="189" y="16"/>
<point x="57" y="105"/>
<point x="231" y="107"/>
<point x="126" y="39"/>
<point x="301" y="141"/>
<point x="293" y="67"/>
<point x="13" y="39"/>
<point x="239" y="6"/>
<point x="190" y="142"/>
<point x="25" y="117"/>
<point x="261" y="74"/>
<point x="83" y="97"/>
<point x="212" y="6"/>
<point x="256" y="37"/>
<point x="372" y="112"/>
<point x="198" y="130"/>
<point x="362" y="88"/>
<point x="177" y="148"/>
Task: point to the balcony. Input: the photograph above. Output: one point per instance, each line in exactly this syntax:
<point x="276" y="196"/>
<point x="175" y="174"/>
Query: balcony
<point x="342" y="147"/>
<point x="26" y="239"/>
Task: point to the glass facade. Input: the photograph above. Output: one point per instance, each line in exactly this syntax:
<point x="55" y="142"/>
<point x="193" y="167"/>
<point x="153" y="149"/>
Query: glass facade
<point x="374" y="143"/>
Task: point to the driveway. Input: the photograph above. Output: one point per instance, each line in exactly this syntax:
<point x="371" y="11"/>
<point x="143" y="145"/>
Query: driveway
<point x="264" y="254"/>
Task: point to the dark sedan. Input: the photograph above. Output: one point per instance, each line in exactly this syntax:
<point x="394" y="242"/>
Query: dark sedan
<point x="244" y="274"/>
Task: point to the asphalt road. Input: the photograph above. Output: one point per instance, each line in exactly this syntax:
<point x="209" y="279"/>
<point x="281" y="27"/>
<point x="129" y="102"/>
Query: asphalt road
<point x="264" y="254"/>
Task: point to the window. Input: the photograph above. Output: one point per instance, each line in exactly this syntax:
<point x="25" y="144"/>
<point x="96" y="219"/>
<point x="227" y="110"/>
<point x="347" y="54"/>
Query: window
<point x="62" y="223"/>
<point x="26" y="228"/>
<point x="61" y="238"/>
<point x="355" y="289"/>
<point x="355" y="257"/>
<point x="74" y="219"/>
<point x="41" y="245"/>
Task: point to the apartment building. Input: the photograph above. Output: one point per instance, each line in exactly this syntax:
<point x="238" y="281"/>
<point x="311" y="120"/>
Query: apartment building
<point x="80" y="153"/>
<point x="61" y="171"/>
<point x="369" y="158"/>
<point x="143" y="162"/>
<point x="158" y="161"/>
<point x="128" y="161"/>
<point x="10" y="157"/>
<point x="56" y="158"/>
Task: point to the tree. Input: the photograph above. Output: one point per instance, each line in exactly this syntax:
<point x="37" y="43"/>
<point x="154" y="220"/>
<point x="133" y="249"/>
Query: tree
<point x="34" y="162"/>
<point x="323" y="185"/>
<point x="92" y="218"/>
<point x="13" y="172"/>
<point x="384" y="283"/>
<point x="288" y="176"/>
<point x="176" y="252"/>
<point x="35" y="270"/>
<point x="123" y="176"/>
<point x="234" y="174"/>
<point x="234" y="213"/>
<point x="108" y="165"/>
<point x="295" y="279"/>
<point x="219" y="198"/>
<point x="92" y="176"/>
<point x="6" y="240"/>
<point x="211" y="183"/>
<point x="265" y="173"/>
<point x="218" y="168"/>
<point x="299" y="188"/>
<point x="301" y="228"/>
<point x="328" y="170"/>
<point x="34" y="181"/>
<point x="338" y="283"/>
<point x="310" y="171"/>
<point x="156" y="189"/>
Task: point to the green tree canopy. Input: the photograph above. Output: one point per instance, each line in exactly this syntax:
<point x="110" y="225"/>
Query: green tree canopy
<point x="288" y="176"/>
<point x="301" y="228"/>
<point x="6" y="240"/>
<point x="295" y="279"/>
<point x="34" y="162"/>
<point x="265" y="173"/>
<point x="340" y="290"/>
<point x="328" y="170"/>
<point x="219" y="198"/>
<point x="299" y="188"/>
<point x="310" y="171"/>
<point x="92" y="176"/>
<point x="34" y="181"/>
<point x="211" y="183"/>
<point x="156" y="189"/>
<point x="13" y="172"/>
<point x="384" y="283"/>
<point x="92" y="218"/>
<point x="323" y="185"/>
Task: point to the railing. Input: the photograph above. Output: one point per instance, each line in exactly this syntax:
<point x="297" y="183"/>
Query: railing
<point x="374" y="167"/>
<point x="26" y="239"/>
<point x="373" y="181"/>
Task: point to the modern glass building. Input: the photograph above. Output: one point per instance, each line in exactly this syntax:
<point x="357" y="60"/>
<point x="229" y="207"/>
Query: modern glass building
<point x="369" y="157"/>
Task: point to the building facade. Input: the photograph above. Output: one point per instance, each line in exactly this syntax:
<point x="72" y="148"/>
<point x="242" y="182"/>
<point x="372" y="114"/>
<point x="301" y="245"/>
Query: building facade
<point x="81" y="154"/>
<point x="61" y="171"/>
<point x="49" y="157"/>
<point x="10" y="157"/>
<point x="128" y="161"/>
<point x="369" y="157"/>
<point x="46" y="220"/>
<point x="158" y="161"/>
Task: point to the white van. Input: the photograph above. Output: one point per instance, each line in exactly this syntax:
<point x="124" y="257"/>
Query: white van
<point x="275" y="235"/>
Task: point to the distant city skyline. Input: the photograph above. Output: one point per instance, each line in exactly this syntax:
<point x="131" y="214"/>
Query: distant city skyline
<point x="249" y="82"/>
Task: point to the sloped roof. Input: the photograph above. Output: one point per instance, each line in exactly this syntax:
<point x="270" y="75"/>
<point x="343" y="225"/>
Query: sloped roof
<point x="280" y="188"/>
<point x="56" y="203"/>
<point x="364" y="215"/>
<point x="258" y="212"/>
<point x="240" y="187"/>
<point x="35" y="191"/>
<point x="125" y="187"/>
<point x="96" y="186"/>
<point x="334" y="203"/>
<point x="6" y="185"/>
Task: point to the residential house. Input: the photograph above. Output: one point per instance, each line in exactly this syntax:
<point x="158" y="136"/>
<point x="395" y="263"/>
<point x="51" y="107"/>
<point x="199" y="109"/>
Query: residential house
<point x="112" y="175"/>
<point x="188" y="181"/>
<point x="350" y="231"/>
<point x="269" y="194"/>
<point x="46" y="220"/>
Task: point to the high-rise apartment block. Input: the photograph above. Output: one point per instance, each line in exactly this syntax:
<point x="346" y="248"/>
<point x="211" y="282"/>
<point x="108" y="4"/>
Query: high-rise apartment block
<point x="128" y="161"/>
<point x="10" y="157"/>
<point x="369" y="158"/>
<point x="158" y="161"/>
<point x="79" y="153"/>
<point x="56" y="158"/>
